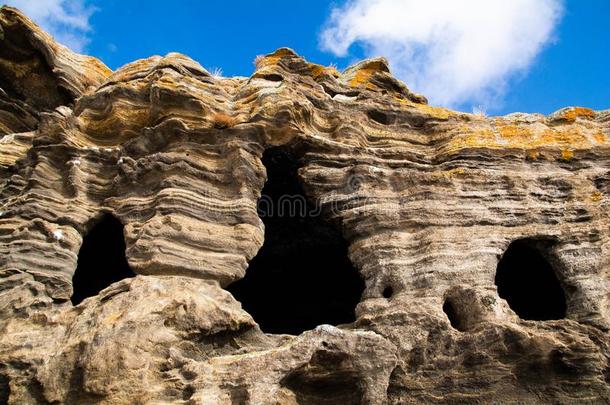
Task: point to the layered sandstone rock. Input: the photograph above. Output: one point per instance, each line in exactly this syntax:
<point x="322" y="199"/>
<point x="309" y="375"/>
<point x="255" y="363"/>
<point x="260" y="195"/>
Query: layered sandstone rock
<point x="427" y="198"/>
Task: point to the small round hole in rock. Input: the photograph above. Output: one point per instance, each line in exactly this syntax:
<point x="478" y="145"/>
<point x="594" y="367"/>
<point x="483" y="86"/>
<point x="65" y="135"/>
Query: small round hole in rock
<point x="526" y="280"/>
<point x="388" y="292"/>
<point x="302" y="276"/>
<point x="101" y="259"/>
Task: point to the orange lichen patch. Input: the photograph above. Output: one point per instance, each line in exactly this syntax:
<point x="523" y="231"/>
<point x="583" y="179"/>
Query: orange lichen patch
<point x="316" y="70"/>
<point x="571" y="114"/>
<point x="567" y="155"/>
<point x="528" y="137"/>
<point x="361" y="78"/>
<point x="377" y="65"/>
<point x="266" y="61"/>
<point x="360" y="75"/>
<point x="572" y="137"/>
<point x="319" y="70"/>
<point x="435" y="112"/>
<point x="600" y="137"/>
<point x="273" y="58"/>
<point x="567" y="137"/>
<point x="222" y="121"/>
<point x="515" y="134"/>
<point x="596" y="196"/>
<point x="533" y="155"/>
<point x="479" y="138"/>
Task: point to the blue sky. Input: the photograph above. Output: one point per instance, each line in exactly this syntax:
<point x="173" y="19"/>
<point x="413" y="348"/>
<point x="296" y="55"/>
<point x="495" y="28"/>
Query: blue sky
<point x="516" y="55"/>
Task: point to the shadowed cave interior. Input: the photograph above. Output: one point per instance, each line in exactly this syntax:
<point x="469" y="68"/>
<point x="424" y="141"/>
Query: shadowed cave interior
<point x="526" y="280"/>
<point x="302" y="276"/>
<point x="101" y="259"/>
<point x="453" y="315"/>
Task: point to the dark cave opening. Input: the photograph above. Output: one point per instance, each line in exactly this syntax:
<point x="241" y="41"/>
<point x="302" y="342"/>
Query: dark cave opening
<point x="526" y="280"/>
<point x="302" y="276"/>
<point x="453" y="315"/>
<point x="388" y="292"/>
<point x="101" y="259"/>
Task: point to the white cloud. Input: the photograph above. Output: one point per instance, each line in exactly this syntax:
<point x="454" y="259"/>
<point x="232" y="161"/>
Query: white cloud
<point x="454" y="52"/>
<point x="66" y="20"/>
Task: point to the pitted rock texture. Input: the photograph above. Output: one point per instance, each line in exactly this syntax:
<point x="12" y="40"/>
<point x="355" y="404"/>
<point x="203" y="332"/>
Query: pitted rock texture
<point x="428" y="199"/>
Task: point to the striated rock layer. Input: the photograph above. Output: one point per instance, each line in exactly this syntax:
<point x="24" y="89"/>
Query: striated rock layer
<point x="428" y="200"/>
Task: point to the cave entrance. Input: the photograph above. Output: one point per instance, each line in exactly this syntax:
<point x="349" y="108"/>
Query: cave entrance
<point x="452" y="314"/>
<point x="302" y="276"/>
<point x="101" y="259"/>
<point x="526" y="280"/>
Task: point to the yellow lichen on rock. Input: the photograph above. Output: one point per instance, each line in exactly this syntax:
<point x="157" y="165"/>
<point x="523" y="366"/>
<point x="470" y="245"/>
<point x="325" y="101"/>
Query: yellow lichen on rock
<point x="567" y="155"/>
<point x="361" y="74"/>
<point x="571" y="114"/>
<point x="273" y="58"/>
<point x="432" y="111"/>
<point x="221" y="120"/>
<point x="596" y="196"/>
<point x="504" y="134"/>
<point x="361" y="79"/>
<point x="515" y="135"/>
<point x="265" y="61"/>
<point x="319" y="70"/>
<point x="436" y="112"/>
<point x="533" y="155"/>
<point x="600" y="137"/>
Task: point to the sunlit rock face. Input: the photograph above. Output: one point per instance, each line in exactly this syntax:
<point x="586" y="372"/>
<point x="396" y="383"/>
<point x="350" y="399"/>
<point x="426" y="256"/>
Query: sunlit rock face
<point x="469" y="257"/>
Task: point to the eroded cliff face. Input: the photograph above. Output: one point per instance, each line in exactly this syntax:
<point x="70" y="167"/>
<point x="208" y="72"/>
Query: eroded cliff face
<point x="440" y="213"/>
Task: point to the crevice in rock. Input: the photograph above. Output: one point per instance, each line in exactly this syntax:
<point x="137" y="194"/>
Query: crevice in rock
<point x="37" y="84"/>
<point x="397" y="387"/>
<point x="272" y="77"/>
<point x="328" y="378"/>
<point x="302" y="276"/>
<point x="188" y="392"/>
<point x="101" y="259"/>
<point x="602" y="183"/>
<point x="238" y="394"/>
<point x="5" y="389"/>
<point x="527" y="281"/>
<point x="381" y="117"/>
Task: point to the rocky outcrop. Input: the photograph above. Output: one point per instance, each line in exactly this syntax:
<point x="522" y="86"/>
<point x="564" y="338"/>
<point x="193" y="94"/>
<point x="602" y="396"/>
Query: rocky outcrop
<point x="37" y="75"/>
<point x="428" y="200"/>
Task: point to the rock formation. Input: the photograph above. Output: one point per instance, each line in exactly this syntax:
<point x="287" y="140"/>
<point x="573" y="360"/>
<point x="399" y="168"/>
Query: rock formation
<point x="440" y="212"/>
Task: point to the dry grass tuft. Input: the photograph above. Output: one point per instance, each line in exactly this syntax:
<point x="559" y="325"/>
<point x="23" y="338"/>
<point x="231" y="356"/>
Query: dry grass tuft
<point x="479" y="110"/>
<point x="217" y="73"/>
<point x="258" y="60"/>
<point x="222" y="121"/>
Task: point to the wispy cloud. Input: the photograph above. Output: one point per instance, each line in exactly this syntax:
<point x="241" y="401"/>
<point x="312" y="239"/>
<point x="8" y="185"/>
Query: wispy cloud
<point x="457" y="53"/>
<point x="66" y="20"/>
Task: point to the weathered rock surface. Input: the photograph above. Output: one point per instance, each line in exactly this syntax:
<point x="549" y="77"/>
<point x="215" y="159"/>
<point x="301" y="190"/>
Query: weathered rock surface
<point x="428" y="199"/>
